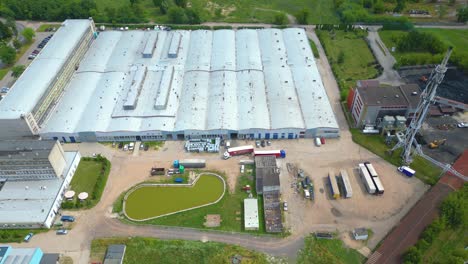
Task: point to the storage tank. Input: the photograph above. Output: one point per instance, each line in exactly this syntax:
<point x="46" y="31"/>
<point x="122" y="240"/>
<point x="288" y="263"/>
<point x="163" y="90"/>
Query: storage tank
<point x="388" y="121"/>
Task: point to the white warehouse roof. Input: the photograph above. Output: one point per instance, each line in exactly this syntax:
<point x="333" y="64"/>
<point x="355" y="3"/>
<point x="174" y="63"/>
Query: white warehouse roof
<point x="251" y="214"/>
<point x="35" y="80"/>
<point x="223" y="79"/>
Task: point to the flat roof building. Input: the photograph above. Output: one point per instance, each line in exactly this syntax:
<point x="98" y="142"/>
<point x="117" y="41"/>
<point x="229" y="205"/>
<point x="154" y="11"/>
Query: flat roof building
<point x="115" y="254"/>
<point x="235" y="84"/>
<point x="28" y="199"/>
<point x="10" y="255"/>
<point x="251" y="221"/>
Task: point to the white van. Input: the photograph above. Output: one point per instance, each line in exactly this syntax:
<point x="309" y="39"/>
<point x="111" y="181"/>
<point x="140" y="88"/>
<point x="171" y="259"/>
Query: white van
<point x="306" y="193"/>
<point x="131" y="146"/>
<point x="242" y="168"/>
<point x="318" y="143"/>
<point x="125" y="148"/>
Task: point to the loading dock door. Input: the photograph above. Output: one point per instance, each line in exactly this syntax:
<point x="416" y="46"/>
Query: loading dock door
<point x="72" y="139"/>
<point x="267" y="135"/>
<point x="291" y="136"/>
<point x="275" y="135"/>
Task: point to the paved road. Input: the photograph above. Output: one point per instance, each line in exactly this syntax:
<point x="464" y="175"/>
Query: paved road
<point x="384" y="57"/>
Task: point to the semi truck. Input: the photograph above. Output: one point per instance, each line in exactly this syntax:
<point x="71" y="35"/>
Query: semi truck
<point x="190" y="163"/>
<point x="277" y="153"/>
<point x="238" y="151"/>
<point x="407" y="171"/>
<point x="157" y="171"/>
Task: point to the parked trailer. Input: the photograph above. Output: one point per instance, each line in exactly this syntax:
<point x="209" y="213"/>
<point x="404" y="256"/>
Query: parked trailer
<point x="276" y="153"/>
<point x="333" y="185"/>
<point x="370" y="168"/>
<point x="407" y="171"/>
<point x="238" y="151"/>
<point x="346" y="183"/>
<point x="157" y="171"/>
<point x="366" y="178"/>
<point x="378" y="185"/>
<point x="190" y="163"/>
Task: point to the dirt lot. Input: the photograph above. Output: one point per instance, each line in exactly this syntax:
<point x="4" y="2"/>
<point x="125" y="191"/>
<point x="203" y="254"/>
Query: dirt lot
<point x="362" y="210"/>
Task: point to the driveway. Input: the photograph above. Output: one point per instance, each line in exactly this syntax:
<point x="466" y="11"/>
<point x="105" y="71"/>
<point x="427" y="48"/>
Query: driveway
<point x="385" y="59"/>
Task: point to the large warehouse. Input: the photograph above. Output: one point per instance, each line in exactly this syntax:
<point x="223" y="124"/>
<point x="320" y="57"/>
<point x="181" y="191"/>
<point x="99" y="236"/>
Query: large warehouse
<point x="156" y="84"/>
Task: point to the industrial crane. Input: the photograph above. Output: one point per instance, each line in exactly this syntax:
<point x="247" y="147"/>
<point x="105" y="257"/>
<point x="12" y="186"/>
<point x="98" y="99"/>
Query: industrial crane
<point x="407" y="139"/>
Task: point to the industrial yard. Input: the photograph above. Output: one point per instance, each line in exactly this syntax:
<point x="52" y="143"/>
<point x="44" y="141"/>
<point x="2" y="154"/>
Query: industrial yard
<point x="324" y="213"/>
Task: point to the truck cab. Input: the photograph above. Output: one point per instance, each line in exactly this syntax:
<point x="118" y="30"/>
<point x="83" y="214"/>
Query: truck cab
<point x="226" y="155"/>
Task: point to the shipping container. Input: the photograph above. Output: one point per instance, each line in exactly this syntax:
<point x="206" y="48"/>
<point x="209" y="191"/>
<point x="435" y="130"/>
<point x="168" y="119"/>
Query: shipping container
<point x="190" y="163"/>
<point x="333" y="185"/>
<point x="366" y="178"/>
<point x="371" y="169"/>
<point x="378" y="185"/>
<point x="346" y="184"/>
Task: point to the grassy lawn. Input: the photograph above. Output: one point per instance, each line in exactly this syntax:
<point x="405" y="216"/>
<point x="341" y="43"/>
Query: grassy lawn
<point x="327" y="251"/>
<point x="451" y="37"/>
<point x="208" y="189"/>
<point x="91" y="177"/>
<point x="314" y="49"/>
<point x="449" y="242"/>
<point x="17" y="235"/>
<point x="247" y="11"/>
<point x="358" y="61"/>
<point x="230" y="207"/>
<point x="19" y="54"/>
<point x="4" y="72"/>
<point x="425" y="171"/>
<point x="150" y="250"/>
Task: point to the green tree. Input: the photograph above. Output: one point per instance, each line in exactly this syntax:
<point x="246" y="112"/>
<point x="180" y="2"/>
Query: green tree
<point x="5" y="31"/>
<point x="451" y="2"/>
<point x="412" y="256"/>
<point x="401" y="4"/>
<point x="157" y="3"/>
<point x="181" y="3"/>
<point x="302" y="16"/>
<point x="177" y="15"/>
<point x="462" y="14"/>
<point x="379" y="7"/>
<point x="442" y="11"/>
<point x="7" y="54"/>
<point x="193" y="16"/>
<point x="133" y="2"/>
<point x="164" y="7"/>
<point x="28" y="34"/>
<point x="280" y="19"/>
<point x="17" y="44"/>
<point x="17" y="70"/>
<point x="454" y="208"/>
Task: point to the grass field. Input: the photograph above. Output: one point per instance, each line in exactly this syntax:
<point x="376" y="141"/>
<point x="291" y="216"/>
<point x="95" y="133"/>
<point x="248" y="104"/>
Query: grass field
<point x="86" y="176"/>
<point x="143" y="202"/>
<point x="17" y="235"/>
<point x="451" y="37"/>
<point x="327" y="251"/>
<point x="261" y="11"/>
<point x="91" y="177"/>
<point x="358" y="62"/>
<point x="230" y="207"/>
<point x="376" y="144"/>
<point x="150" y="250"/>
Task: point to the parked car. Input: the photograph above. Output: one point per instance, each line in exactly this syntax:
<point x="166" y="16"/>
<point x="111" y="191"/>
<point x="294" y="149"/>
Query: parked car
<point x="67" y="218"/>
<point x="62" y="232"/>
<point x="125" y="148"/>
<point x="262" y="143"/>
<point x="28" y="237"/>
<point x="146" y="147"/>
<point x="285" y="206"/>
<point x="242" y="169"/>
<point x="268" y="143"/>
<point x="462" y="125"/>
<point x="322" y="140"/>
<point x="257" y="143"/>
<point x="121" y="145"/>
<point x="142" y="146"/>
<point x="5" y="90"/>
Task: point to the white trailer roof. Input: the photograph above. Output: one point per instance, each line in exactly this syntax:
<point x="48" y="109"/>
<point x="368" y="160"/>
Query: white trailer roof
<point x="33" y="83"/>
<point x="251" y="214"/>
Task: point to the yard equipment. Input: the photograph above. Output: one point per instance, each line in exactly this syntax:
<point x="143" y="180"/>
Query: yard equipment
<point x="157" y="171"/>
<point x="436" y="143"/>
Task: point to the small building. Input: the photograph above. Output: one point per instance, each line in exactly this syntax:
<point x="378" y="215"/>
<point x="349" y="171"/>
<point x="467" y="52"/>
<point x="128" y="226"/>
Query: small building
<point x="10" y="255"/>
<point x="360" y="234"/>
<point x="369" y="102"/>
<point x="266" y="173"/>
<point x="251" y="221"/>
<point x="115" y="254"/>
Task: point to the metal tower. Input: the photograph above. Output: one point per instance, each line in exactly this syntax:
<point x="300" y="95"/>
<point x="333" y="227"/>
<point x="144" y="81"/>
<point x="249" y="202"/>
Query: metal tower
<point x="407" y="140"/>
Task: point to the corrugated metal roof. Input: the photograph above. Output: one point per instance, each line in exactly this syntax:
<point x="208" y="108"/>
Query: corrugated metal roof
<point x="224" y="79"/>
<point x="35" y="80"/>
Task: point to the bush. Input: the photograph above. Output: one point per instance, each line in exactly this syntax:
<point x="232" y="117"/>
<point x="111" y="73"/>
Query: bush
<point x="454" y="208"/>
<point x="412" y="256"/>
<point x="420" y="42"/>
<point x="280" y="19"/>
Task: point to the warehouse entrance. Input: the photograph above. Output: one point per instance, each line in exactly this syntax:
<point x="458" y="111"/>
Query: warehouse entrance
<point x="234" y="135"/>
